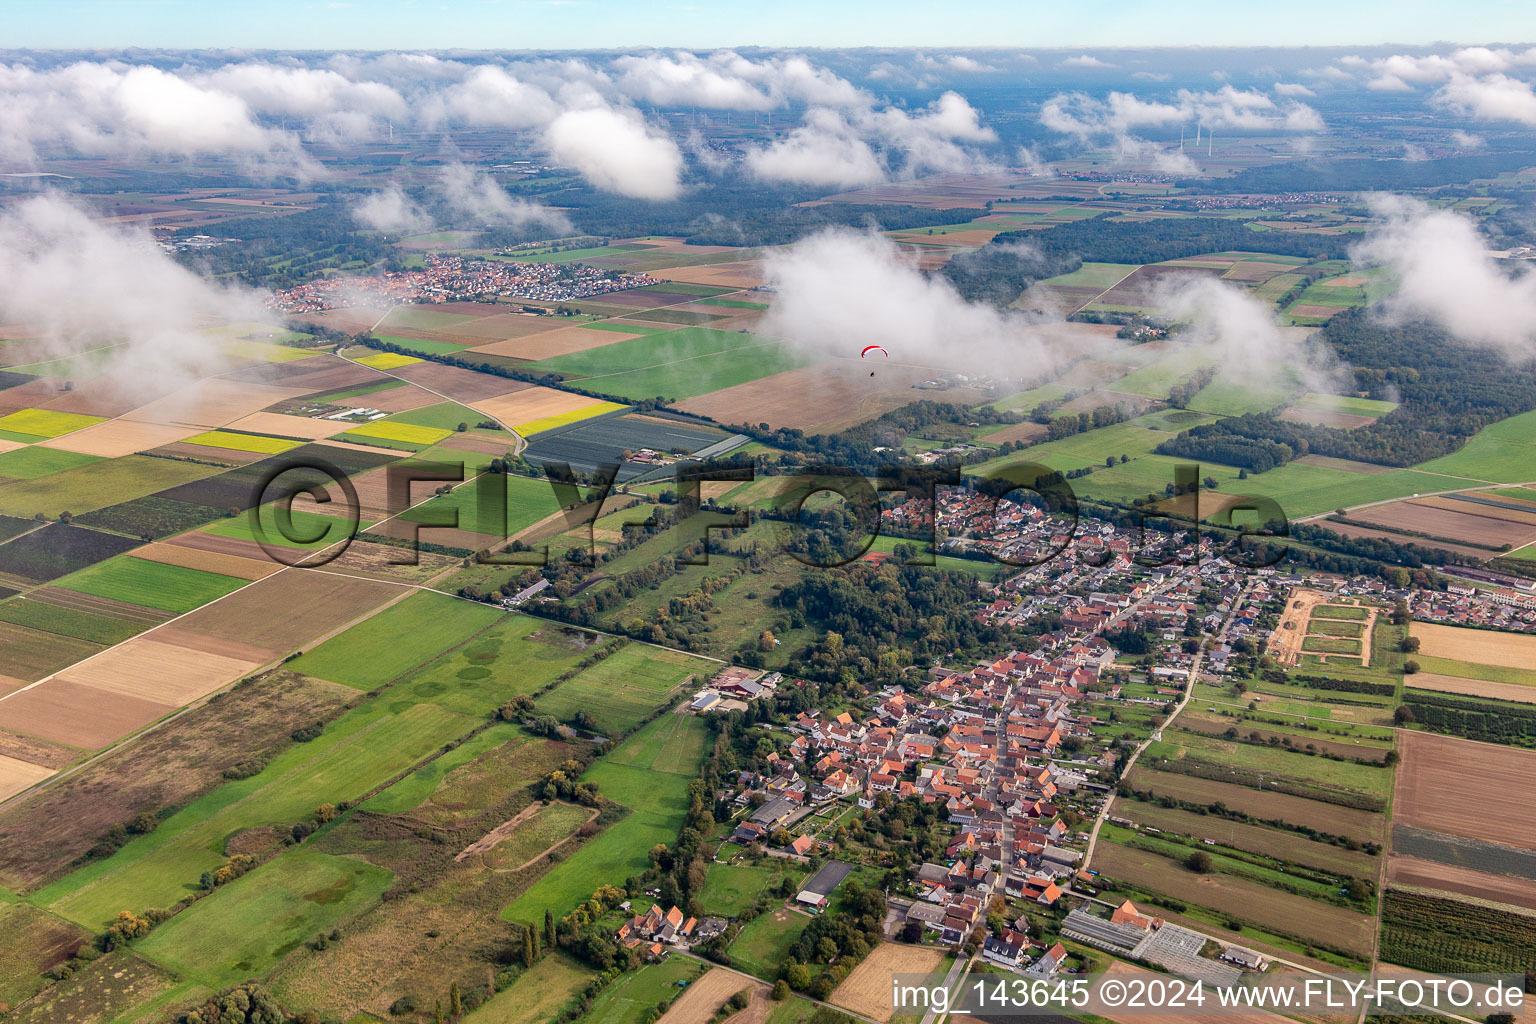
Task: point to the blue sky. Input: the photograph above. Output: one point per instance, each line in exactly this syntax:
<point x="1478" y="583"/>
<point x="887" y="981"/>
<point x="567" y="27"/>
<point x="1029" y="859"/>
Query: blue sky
<point x="586" y="24"/>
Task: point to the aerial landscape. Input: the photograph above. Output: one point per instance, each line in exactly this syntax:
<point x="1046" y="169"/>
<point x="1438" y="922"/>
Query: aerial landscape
<point x="623" y="514"/>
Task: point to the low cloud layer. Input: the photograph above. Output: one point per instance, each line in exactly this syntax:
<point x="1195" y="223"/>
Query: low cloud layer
<point x="77" y="284"/>
<point x="840" y="290"/>
<point x="1441" y="271"/>
<point x="463" y="195"/>
<point x="1477" y="82"/>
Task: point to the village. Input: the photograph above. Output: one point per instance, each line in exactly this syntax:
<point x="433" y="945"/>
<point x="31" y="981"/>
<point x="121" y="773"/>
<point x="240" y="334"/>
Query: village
<point x="448" y="278"/>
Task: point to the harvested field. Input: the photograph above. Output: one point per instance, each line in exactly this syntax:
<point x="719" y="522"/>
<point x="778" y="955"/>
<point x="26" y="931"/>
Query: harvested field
<point x="374" y="561"/>
<point x="322" y="373"/>
<point x="1432" y="780"/>
<point x="1272" y="908"/>
<point x="1520" y="693"/>
<point x="559" y="342"/>
<point x="867" y="989"/>
<point x="1145" y="286"/>
<point x="17" y="775"/>
<point x="208" y="561"/>
<point x="1323" y="418"/>
<point x="464" y="386"/>
<point x="287" y="426"/>
<point x="116" y="438"/>
<point x="1479" y="646"/>
<point x="1466" y="524"/>
<point x="1351" y="530"/>
<point x="1458" y="881"/>
<point x="1314" y="310"/>
<point x="447" y="536"/>
<point x="212" y="403"/>
<point x="152" y="669"/>
<point x="533" y="404"/>
<point x="289" y="610"/>
<point x="401" y="399"/>
<point x="94" y="605"/>
<point x="700" y="1000"/>
<point x="52" y="711"/>
<point x="1264" y="805"/>
<point x="742" y="274"/>
<point x="829" y="396"/>
<point x="1027" y="431"/>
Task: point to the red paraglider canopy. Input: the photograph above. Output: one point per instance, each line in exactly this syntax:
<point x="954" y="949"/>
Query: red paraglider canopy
<point x="871" y="348"/>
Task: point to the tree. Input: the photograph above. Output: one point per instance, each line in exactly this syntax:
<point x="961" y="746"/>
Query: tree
<point x="780" y="991"/>
<point x="1410" y="645"/>
<point x="1404" y="715"/>
<point x="1199" y="862"/>
<point x="798" y="976"/>
<point x="462" y="427"/>
<point x="325" y="813"/>
<point x="455" y="1001"/>
<point x="549" y="927"/>
<point x="1410" y="667"/>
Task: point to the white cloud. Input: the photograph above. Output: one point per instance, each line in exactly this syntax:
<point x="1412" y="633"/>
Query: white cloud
<point x="1084" y="61"/>
<point x="475" y="195"/>
<point x="617" y="151"/>
<point x="729" y="81"/>
<point x="826" y="151"/>
<point x="840" y="290"/>
<point x="1292" y="89"/>
<point x="1495" y="97"/>
<point x="1442" y="272"/>
<point x="390" y="209"/>
<point x="77" y="283"/>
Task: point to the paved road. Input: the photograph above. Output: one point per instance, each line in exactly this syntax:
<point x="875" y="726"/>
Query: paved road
<point x="1189" y="691"/>
<point x="951" y="980"/>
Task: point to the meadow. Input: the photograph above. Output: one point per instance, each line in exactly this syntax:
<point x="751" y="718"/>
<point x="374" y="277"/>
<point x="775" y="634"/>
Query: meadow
<point x="678" y="364"/>
<point x="32" y="462"/>
<point x="97" y="485"/>
<point x="537" y="995"/>
<point x="243" y="928"/>
<point x="762" y="945"/>
<point x="398" y="639"/>
<point x="624" y="688"/>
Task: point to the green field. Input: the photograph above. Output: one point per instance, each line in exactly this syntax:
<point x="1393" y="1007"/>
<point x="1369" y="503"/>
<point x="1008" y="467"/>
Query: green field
<point x="443" y="416"/>
<point x="627" y="999"/>
<point x="762" y="945"/>
<point x="416" y="788"/>
<point x="625" y="688"/>
<point x="1327" y="628"/>
<point x="357" y="752"/>
<point x="422" y="345"/>
<point x="169" y="588"/>
<point x="731" y="888"/>
<point x="406" y="318"/>
<point x="1502" y="452"/>
<point x="657" y="799"/>
<point x="98" y="629"/>
<point x="391" y="643"/>
<point x="1276" y="760"/>
<point x="1465" y="669"/>
<point x="527" y="501"/>
<point x="1351" y="612"/>
<point x="326" y="530"/>
<point x="32" y="462"/>
<point x="671" y="743"/>
<point x="246" y="926"/>
<point x="538" y="994"/>
<point x="87" y="488"/>
<point x="1330" y="645"/>
<point x="678" y="364"/>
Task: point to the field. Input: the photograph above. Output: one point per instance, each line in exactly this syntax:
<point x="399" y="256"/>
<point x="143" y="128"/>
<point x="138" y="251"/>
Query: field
<point x="1479" y="646"/>
<point x="867" y="989"/>
<point x="1461" y="881"/>
<point x="671" y="743"/>
<point x="700" y="1000"/>
<point x="762" y="945"/>
<point x="530" y="410"/>
<point x="167" y="766"/>
<point x="239" y="442"/>
<point x="1433" y="780"/>
<point x="357" y="752"/>
<point x="245" y="927"/>
<point x="537" y="995"/>
<point x="39" y="424"/>
<point x="731" y="888"/>
<point x="656" y="797"/>
<point x="1285" y="913"/>
<point x="628" y="998"/>
<point x="1521" y="693"/>
<point x="58" y="549"/>
<point x="370" y="654"/>
<point x="32" y="462"/>
<point x="1272" y="842"/>
<point x="169" y="588"/>
<point x="623" y="689"/>
<point x="1262" y="805"/>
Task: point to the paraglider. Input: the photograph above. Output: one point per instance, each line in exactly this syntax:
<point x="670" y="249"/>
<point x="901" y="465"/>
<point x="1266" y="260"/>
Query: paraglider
<point x="873" y="348"/>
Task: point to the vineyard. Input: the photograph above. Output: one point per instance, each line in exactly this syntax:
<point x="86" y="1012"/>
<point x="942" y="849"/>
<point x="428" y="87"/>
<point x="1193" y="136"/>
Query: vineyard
<point x="1427" y="933"/>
